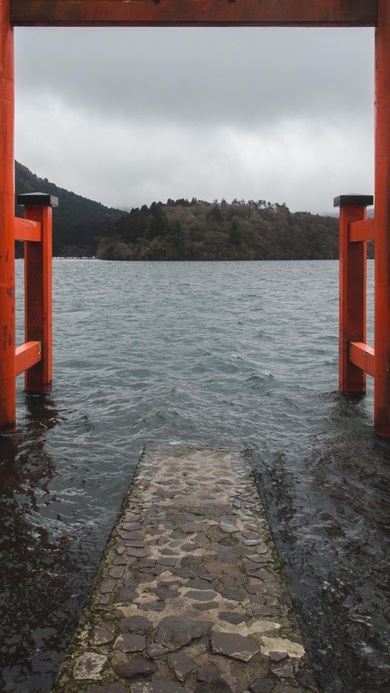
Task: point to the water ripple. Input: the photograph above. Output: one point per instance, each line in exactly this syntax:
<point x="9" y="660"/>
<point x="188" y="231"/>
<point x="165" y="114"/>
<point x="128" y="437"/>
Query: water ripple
<point x="240" y="352"/>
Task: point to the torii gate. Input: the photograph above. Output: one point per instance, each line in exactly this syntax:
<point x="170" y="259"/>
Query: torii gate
<point x="356" y="358"/>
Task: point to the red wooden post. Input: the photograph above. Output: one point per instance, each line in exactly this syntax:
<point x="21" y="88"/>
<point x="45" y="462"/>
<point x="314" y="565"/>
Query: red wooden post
<point x="356" y="357"/>
<point x="352" y="311"/>
<point x="38" y="289"/>
<point x="382" y="222"/>
<point x="7" y="213"/>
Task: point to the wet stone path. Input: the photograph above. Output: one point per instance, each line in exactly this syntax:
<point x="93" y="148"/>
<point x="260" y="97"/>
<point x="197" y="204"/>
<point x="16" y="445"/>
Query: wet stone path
<point x="190" y="594"/>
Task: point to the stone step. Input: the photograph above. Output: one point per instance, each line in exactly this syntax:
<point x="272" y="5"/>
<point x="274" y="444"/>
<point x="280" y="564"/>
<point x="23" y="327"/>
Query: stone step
<point x="190" y="594"/>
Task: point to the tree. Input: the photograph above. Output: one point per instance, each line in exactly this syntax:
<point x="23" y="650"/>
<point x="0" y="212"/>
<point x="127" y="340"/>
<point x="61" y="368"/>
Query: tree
<point x="234" y="233"/>
<point x="215" y="214"/>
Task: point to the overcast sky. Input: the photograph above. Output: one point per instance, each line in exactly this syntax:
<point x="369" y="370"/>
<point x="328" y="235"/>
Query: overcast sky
<point x="128" y="116"/>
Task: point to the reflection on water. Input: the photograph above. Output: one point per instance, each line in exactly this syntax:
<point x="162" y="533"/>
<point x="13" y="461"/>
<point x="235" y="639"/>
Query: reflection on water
<point x="330" y="517"/>
<point x="34" y="557"/>
<point x="209" y="353"/>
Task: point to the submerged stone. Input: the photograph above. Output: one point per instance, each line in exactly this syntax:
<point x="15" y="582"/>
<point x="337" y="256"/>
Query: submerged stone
<point x="107" y="688"/>
<point x="155" y="651"/>
<point x="219" y="686"/>
<point x="262" y="686"/>
<point x="130" y="668"/>
<point x="102" y="635"/>
<point x="181" y="664"/>
<point x="157" y="687"/>
<point x="208" y="672"/>
<point x="135" y="623"/>
<point x="89" y="666"/>
<point x="130" y="642"/>
<point x="177" y="631"/>
<point x="234" y="645"/>
<point x="232" y="617"/>
<point x="285" y="671"/>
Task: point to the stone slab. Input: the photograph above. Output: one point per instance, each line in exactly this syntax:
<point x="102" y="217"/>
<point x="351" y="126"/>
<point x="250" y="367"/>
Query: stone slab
<point x="201" y="602"/>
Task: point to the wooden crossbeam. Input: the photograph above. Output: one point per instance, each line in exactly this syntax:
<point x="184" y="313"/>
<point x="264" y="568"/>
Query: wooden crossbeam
<point x="27" y="355"/>
<point x="363" y="357"/>
<point x="194" y="12"/>
<point x="362" y="230"/>
<point x="27" y="230"/>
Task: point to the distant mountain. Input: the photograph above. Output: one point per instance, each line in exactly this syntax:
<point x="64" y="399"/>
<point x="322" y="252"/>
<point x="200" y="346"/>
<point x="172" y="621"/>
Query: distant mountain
<point x="182" y="229"/>
<point x="79" y="224"/>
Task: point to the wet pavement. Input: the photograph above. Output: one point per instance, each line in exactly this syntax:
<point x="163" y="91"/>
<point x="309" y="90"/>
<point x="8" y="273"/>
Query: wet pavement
<point x="190" y="594"/>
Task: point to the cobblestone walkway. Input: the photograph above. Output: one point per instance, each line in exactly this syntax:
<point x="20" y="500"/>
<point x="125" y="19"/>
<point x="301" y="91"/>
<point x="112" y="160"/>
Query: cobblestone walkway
<point x="190" y="595"/>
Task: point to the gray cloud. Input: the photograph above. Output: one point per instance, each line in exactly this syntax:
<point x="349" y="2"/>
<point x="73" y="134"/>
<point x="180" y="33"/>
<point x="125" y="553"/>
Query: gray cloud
<point x="203" y="75"/>
<point x="131" y="115"/>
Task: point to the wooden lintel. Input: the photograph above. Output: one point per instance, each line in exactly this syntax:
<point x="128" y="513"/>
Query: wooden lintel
<point x="194" y="12"/>
<point x="27" y="355"/>
<point x="363" y="357"/>
<point x="362" y="230"/>
<point x="27" y="230"/>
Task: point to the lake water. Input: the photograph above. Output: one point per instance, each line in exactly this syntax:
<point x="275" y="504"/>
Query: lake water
<point x="240" y="352"/>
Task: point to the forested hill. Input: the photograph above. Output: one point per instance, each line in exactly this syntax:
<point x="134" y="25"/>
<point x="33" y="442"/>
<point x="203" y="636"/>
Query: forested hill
<point x="198" y="230"/>
<point x="79" y="224"/>
<point x="183" y="230"/>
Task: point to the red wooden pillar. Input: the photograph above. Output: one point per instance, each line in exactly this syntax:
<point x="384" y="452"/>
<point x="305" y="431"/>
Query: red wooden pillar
<point x="7" y="213"/>
<point x="382" y="222"/>
<point x="38" y="289"/>
<point x="352" y="312"/>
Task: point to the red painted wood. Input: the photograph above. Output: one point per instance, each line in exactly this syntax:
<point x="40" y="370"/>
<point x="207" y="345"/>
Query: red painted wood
<point x="382" y="222"/>
<point x="363" y="357"/>
<point x="353" y="230"/>
<point x="26" y="230"/>
<point x="194" y="12"/>
<point x="38" y="299"/>
<point x="362" y="230"/>
<point x="26" y="356"/>
<point x="7" y="215"/>
<point x="352" y="321"/>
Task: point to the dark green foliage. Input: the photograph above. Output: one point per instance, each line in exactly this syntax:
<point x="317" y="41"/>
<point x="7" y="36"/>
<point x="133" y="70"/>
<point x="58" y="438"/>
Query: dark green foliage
<point x="214" y="214"/>
<point x="157" y="222"/>
<point x="79" y="224"/>
<point x="184" y="230"/>
<point x="199" y="230"/>
<point x="234" y="233"/>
